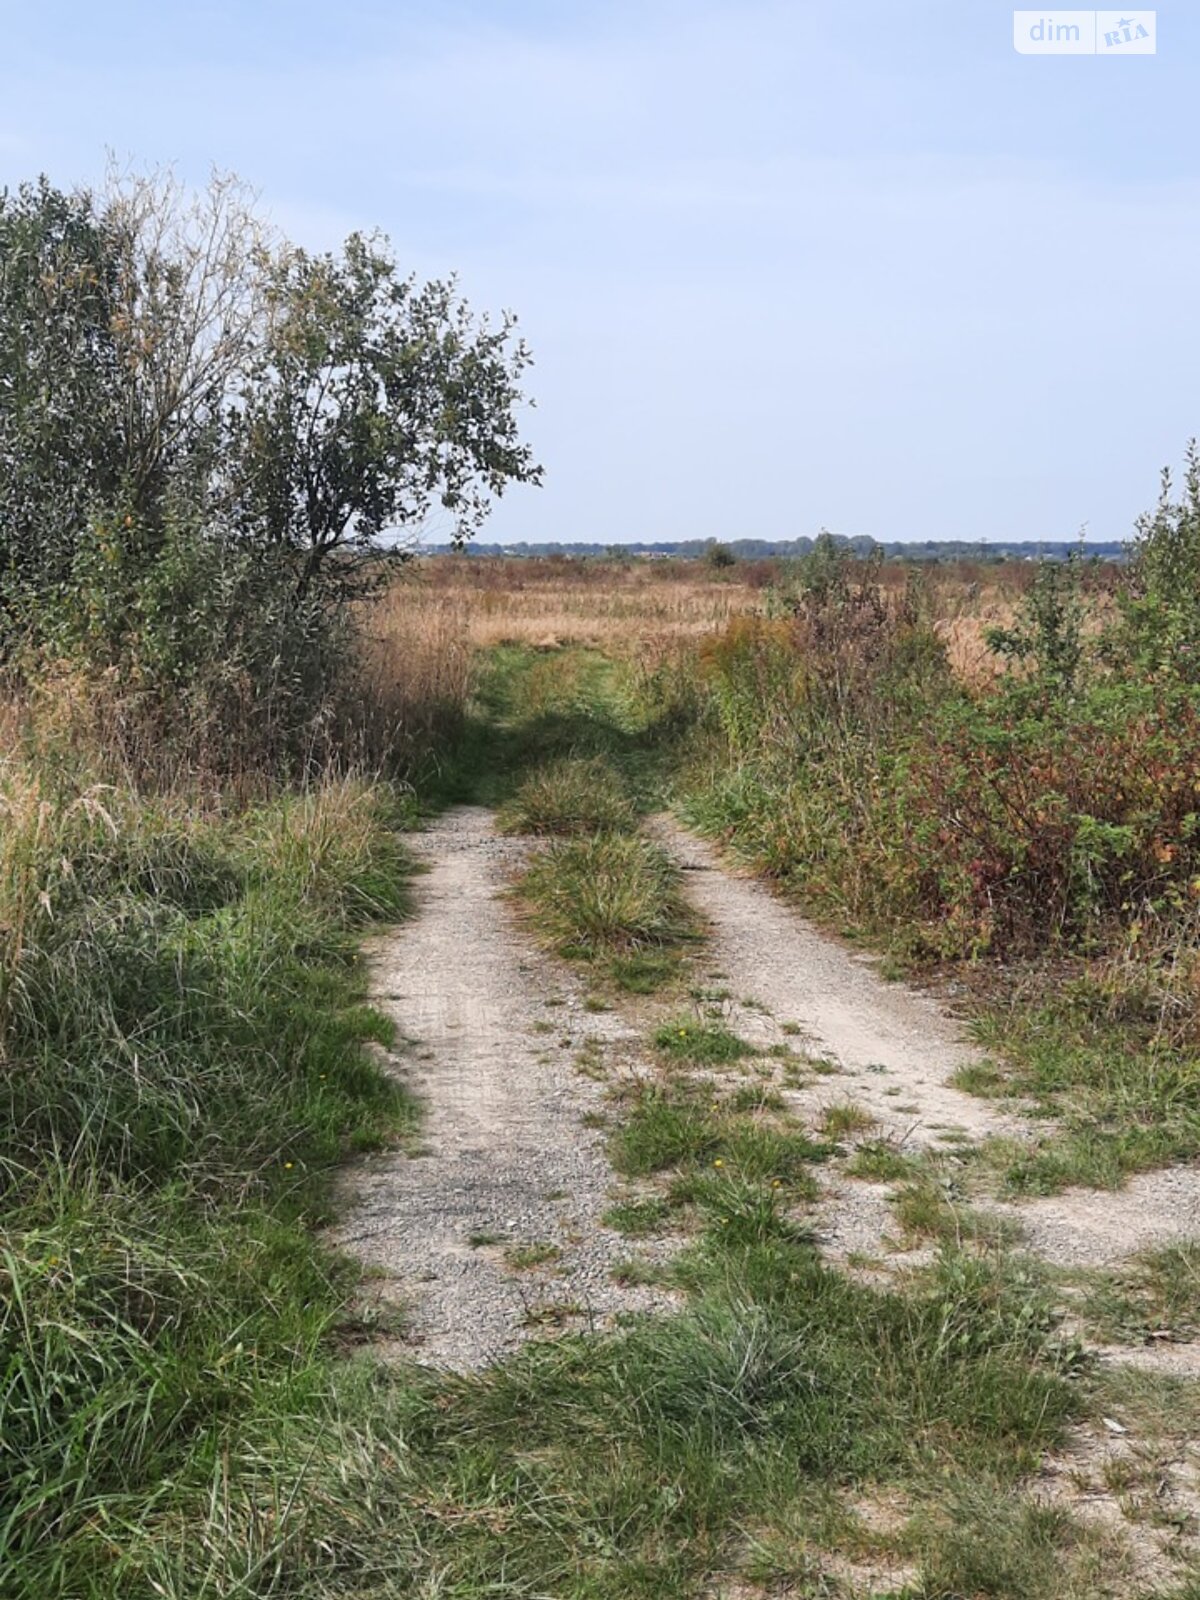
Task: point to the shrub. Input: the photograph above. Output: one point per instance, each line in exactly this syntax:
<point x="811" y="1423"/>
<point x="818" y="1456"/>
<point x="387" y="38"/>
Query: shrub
<point x="1052" y="807"/>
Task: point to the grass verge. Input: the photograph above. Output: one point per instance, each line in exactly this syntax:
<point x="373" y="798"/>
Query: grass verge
<point x="183" y="1023"/>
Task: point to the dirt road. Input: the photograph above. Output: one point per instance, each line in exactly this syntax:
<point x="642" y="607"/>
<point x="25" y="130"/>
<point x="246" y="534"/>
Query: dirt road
<point x="494" y="1233"/>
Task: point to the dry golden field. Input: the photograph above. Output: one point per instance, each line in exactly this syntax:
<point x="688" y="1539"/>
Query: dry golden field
<point x="441" y="610"/>
<point x="545" y="603"/>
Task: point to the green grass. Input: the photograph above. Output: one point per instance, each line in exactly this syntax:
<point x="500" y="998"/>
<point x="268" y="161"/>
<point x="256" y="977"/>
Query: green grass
<point x="183" y="1025"/>
<point x="575" y="795"/>
<point x="755" y="1097"/>
<point x="1155" y="1295"/>
<point x="663" y="1131"/>
<point x="536" y="711"/>
<point x="1124" y="1095"/>
<point x="707" y="1145"/>
<point x="879" y="1161"/>
<point x="607" y="896"/>
<point x="639" y="1218"/>
<point x="483" y="1237"/>
<point x="633" y="1465"/>
<point x="927" y="1206"/>
<point x="536" y="1253"/>
<point x="844" y="1119"/>
<point x="702" y="1044"/>
<point x="644" y="972"/>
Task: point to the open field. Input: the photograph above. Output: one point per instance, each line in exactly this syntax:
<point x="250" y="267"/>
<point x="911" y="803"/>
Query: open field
<point x="624" y="606"/>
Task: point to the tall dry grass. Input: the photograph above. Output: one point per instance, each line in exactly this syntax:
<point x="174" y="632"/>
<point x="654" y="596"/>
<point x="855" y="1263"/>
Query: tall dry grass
<point x="545" y="603"/>
<point x="442" y="610"/>
<point x="417" y="657"/>
<point x="397" y="698"/>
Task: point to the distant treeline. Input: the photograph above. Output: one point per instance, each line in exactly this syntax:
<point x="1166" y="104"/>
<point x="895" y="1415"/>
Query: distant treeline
<point x="763" y="549"/>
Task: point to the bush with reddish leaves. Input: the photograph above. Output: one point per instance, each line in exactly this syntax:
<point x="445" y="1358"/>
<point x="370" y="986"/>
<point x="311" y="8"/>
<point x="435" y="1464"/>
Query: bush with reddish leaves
<point x="1058" y="807"/>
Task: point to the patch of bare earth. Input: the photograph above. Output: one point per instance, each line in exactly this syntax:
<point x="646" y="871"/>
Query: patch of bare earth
<point x="1141" y="1487"/>
<point x="491" y="1234"/>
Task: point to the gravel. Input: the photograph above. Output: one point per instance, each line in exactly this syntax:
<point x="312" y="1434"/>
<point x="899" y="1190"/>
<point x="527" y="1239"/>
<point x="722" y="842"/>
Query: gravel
<point x="895" y="1051"/>
<point x="492" y="1032"/>
<point x="494" y="1037"/>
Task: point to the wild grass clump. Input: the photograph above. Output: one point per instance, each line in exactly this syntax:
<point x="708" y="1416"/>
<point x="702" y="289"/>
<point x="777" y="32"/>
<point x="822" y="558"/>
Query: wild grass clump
<point x="782" y="1379"/>
<point x="707" y="1144"/>
<point x="607" y="895"/>
<point x="578" y="795"/>
<point x="700" y="1043"/>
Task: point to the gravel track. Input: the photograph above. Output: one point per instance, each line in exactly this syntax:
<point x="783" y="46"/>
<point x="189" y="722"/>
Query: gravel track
<point x="896" y="1050"/>
<point x="494" y="1038"/>
<point x="492" y="1033"/>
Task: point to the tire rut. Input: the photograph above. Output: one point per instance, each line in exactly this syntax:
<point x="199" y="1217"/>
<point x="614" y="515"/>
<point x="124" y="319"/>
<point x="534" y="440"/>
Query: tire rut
<point x="895" y="1052"/>
<point x="494" y="1038"/>
<point x="491" y="1031"/>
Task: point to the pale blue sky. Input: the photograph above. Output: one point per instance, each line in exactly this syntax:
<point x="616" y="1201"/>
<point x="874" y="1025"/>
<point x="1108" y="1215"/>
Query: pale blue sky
<point x="781" y="265"/>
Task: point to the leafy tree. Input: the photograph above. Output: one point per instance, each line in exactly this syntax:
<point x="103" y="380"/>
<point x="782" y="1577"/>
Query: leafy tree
<point x="1159" y="627"/>
<point x="60" y="424"/>
<point x="720" y="556"/>
<point x="371" y="401"/>
<point x="205" y="436"/>
<point x="123" y="322"/>
<point x="190" y="310"/>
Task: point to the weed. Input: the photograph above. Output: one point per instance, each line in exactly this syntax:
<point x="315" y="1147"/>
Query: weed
<point x="644" y="972"/>
<point x="927" y="1207"/>
<point x="751" y="1097"/>
<point x="879" y="1161"/>
<point x="638" y="1218"/>
<point x="662" y="1132"/>
<point x="700" y="1043"/>
<point x="847" y="1118"/>
<point x="1155" y="1296"/>
<point x="523" y="1257"/>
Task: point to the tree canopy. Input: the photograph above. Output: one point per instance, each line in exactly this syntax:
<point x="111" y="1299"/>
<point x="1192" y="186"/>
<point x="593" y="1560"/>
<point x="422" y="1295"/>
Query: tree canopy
<point x="163" y="358"/>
